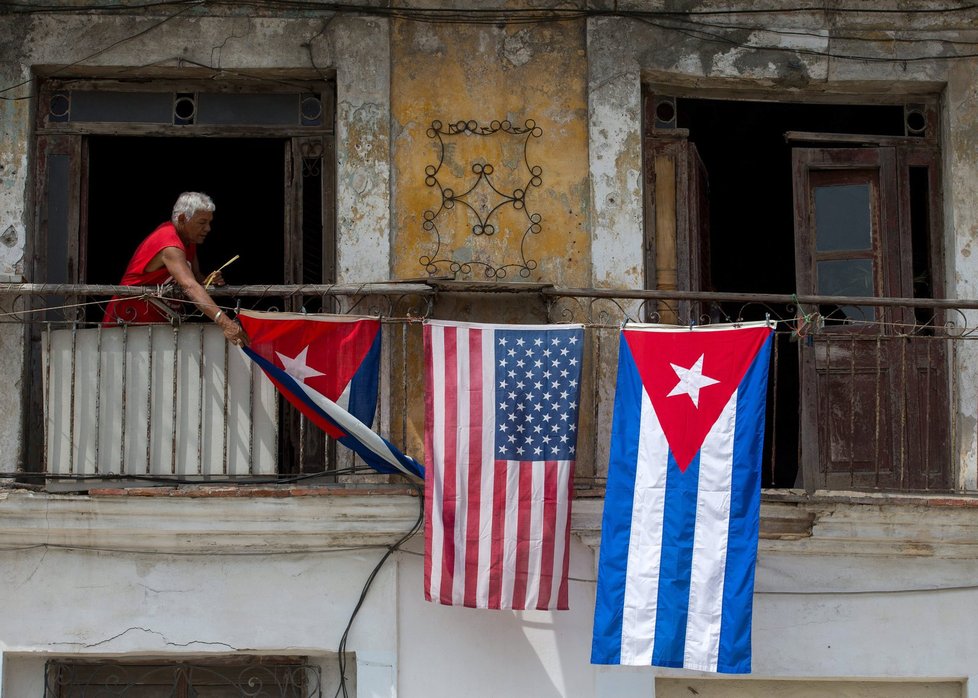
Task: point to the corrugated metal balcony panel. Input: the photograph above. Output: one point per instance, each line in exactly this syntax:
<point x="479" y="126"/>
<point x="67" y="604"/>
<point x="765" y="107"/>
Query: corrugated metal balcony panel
<point x="155" y="400"/>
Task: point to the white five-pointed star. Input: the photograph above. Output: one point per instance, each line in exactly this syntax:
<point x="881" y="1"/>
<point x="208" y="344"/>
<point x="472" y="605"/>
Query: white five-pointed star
<point x="298" y="367"/>
<point x="691" y="380"/>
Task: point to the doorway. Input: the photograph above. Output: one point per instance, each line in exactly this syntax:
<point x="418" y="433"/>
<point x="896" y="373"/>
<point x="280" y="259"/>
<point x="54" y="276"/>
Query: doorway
<point x="127" y="200"/>
<point x="738" y="231"/>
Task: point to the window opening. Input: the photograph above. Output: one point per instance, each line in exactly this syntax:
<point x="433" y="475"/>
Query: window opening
<point x="312" y="211"/>
<point x="242" y="175"/>
<point x="846" y="241"/>
<point x="921" y="239"/>
<point x="184" y="109"/>
<point x="749" y="163"/>
<point x="114" y="155"/>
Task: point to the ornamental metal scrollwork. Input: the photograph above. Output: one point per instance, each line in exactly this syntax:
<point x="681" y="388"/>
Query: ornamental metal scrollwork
<point x="311" y="152"/>
<point x="483" y="224"/>
<point x="253" y="679"/>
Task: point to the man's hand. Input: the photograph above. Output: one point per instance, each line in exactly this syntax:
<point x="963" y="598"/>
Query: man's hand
<point x="233" y="331"/>
<point x="176" y="263"/>
<point x="215" y="278"/>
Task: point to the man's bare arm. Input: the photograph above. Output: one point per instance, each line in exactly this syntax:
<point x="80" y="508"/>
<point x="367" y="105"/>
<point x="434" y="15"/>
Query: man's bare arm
<point x="176" y="263"/>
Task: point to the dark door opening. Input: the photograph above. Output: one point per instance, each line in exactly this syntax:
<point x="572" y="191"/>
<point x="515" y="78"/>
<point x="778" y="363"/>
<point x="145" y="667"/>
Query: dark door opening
<point x="134" y="181"/>
<point x="752" y="242"/>
<point x="98" y="196"/>
<point x="743" y="147"/>
<point x="749" y="242"/>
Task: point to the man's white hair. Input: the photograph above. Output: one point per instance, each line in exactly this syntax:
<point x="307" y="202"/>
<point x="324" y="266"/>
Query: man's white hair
<point x="189" y="203"/>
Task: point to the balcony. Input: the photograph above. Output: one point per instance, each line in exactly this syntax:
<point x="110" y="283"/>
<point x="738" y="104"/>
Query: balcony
<point x="863" y="395"/>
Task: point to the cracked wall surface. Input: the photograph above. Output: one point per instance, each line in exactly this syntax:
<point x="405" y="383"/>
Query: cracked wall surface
<point x="820" y="611"/>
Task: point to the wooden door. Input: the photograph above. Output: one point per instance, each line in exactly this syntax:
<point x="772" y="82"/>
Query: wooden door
<point x="863" y="372"/>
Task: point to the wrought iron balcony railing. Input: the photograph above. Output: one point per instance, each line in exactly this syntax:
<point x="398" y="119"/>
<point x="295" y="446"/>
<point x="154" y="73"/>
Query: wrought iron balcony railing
<point x="864" y="392"/>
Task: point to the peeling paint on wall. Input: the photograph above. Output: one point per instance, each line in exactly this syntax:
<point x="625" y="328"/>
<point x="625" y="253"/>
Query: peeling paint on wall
<point x="517" y="49"/>
<point x="487" y="75"/>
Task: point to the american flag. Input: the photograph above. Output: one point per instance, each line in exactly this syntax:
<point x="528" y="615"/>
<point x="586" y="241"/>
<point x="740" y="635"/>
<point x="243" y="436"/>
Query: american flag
<point x="500" y="439"/>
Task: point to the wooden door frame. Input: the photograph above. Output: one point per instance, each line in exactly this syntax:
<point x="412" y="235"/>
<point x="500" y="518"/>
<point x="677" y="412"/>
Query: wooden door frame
<point x="70" y="138"/>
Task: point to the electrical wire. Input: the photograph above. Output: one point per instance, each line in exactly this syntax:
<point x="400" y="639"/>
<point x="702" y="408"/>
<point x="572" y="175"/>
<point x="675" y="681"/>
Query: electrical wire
<point x="693" y="31"/>
<point x="806" y="592"/>
<point x="190" y="553"/>
<point x="872" y="34"/>
<point x="14" y="7"/>
<point x="100" y="51"/>
<point x="341" y="649"/>
<point x="65" y="306"/>
<point x="794" y="324"/>
<point x="683" y="22"/>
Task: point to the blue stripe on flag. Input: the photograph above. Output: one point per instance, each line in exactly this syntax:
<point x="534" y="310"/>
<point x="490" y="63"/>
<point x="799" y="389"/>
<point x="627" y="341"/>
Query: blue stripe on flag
<point x="617" y="518"/>
<point x="363" y="386"/>
<point x="745" y="515"/>
<point x="678" y="526"/>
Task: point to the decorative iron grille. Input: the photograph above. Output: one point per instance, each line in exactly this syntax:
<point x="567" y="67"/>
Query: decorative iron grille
<point x="483" y="199"/>
<point x="255" y="678"/>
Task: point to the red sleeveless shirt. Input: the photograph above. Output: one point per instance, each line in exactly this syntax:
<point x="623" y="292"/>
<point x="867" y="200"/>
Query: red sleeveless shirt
<point x="135" y="310"/>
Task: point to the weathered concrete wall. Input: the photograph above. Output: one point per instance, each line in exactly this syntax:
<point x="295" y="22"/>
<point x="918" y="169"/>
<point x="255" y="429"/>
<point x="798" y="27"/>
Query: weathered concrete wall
<point x="508" y="100"/>
<point x="898" y="607"/>
<point x="15" y="114"/>
<point x="456" y="74"/>
<point x="15" y="111"/>
<point x="961" y="235"/>
<point x="859" y="600"/>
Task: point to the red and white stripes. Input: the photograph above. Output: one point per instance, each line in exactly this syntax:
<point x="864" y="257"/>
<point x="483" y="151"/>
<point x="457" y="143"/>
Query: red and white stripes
<point x="497" y="532"/>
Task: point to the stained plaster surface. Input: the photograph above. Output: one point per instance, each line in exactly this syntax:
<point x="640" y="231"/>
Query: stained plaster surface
<point x="487" y="74"/>
<point x="15" y="112"/>
<point x="961" y="222"/>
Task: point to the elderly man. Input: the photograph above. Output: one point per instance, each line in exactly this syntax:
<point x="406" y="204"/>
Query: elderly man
<point x="170" y="252"/>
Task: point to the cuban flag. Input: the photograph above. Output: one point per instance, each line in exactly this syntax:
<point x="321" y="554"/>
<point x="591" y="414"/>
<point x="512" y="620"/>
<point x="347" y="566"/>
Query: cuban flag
<point x="327" y="366"/>
<point x="682" y="505"/>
